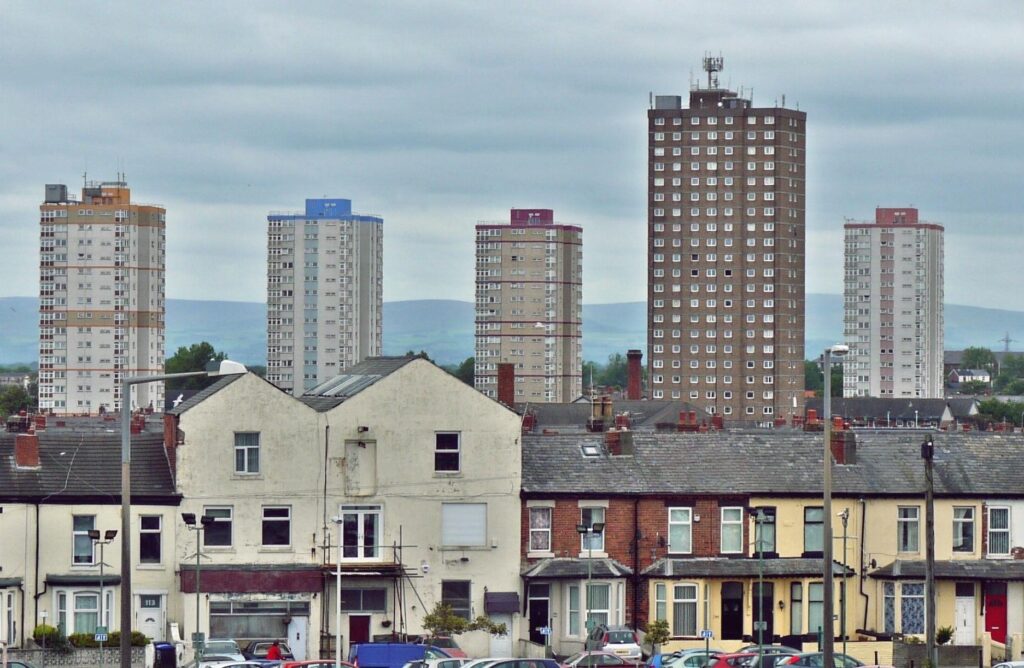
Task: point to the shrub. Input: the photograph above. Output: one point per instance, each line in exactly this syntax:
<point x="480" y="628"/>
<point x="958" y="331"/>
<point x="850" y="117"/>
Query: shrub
<point x="139" y="639"/>
<point x="943" y="634"/>
<point x="50" y="637"/>
<point x="657" y="632"/>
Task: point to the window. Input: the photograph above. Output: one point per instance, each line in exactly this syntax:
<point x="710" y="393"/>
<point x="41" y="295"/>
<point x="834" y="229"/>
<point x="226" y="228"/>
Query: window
<point x="218" y="533"/>
<point x="911" y="607"/>
<point x="963" y="529"/>
<point x="360" y="531"/>
<point x="998" y="530"/>
<point x="446" y="452"/>
<point x="813" y="530"/>
<point x="540" y="529"/>
<point x="796" y="608"/>
<point x="590" y="516"/>
<point x="815" y="609"/>
<point x="599" y="596"/>
<point x="463" y="524"/>
<point x="907" y="528"/>
<point x="247" y="452"/>
<point x="370" y="599"/>
<point x="277" y="525"/>
<point x="684" y="610"/>
<point x="889" y="606"/>
<point x="456" y="594"/>
<point x="659" y="602"/>
<point x="764" y="531"/>
<point x="149" y="539"/>
<point x="732" y="529"/>
<point x="680" y="530"/>
<point x="82" y="553"/>
<point x="574" y="610"/>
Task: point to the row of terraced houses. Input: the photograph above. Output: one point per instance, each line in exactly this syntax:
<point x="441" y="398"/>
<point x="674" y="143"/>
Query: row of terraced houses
<point x="419" y="490"/>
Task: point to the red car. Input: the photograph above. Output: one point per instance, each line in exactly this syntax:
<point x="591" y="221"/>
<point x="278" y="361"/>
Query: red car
<point x="731" y="660"/>
<point x="449" y="645"/>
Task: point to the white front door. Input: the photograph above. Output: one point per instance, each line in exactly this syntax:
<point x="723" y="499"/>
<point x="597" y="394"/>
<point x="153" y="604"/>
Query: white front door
<point x="297" y="637"/>
<point x="150" y="616"/>
<point x="964" y="633"/>
<point x="501" y="646"/>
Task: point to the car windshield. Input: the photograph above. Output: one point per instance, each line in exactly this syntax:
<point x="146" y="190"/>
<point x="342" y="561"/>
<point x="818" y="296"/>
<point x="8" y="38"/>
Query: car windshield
<point x="575" y="658"/>
<point x="443" y="643"/>
<point x="621" y="637"/>
<point x="221" y="647"/>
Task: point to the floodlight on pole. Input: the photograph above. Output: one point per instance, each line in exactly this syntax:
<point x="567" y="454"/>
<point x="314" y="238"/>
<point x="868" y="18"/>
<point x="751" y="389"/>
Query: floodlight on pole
<point x="827" y="583"/>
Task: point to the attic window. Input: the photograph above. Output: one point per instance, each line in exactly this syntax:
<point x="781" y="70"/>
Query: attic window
<point x="590" y="450"/>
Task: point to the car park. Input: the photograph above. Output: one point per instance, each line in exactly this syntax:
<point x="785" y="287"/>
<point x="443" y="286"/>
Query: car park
<point x="447" y="644"/>
<point x="257" y="649"/>
<point x="316" y="663"/>
<point x="732" y="660"/>
<point x="817" y="660"/>
<point x="691" y="658"/>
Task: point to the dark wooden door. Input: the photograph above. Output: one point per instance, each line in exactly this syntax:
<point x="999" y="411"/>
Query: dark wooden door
<point x="732" y="611"/>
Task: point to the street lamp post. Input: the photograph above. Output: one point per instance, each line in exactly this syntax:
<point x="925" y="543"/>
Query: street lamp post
<point x="589" y="530"/>
<point x="928" y="455"/>
<point x="845" y="517"/>
<point x="828" y="613"/>
<point x="759" y="518"/>
<point x="339" y="520"/>
<point x="227" y="368"/>
<point x="108" y="538"/>
<point x="198" y="640"/>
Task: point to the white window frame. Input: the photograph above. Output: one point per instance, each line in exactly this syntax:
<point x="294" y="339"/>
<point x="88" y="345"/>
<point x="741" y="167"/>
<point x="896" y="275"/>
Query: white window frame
<point x="681" y="596"/>
<point x="680" y="516"/>
<point x="276" y="519"/>
<point x="736" y="523"/>
<point x="903" y="525"/>
<point x="229" y="519"/>
<point x="442" y="451"/>
<point x="247" y="466"/>
<point x="545" y="532"/>
<point x="76" y="535"/>
<point x="596" y="540"/>
<point x="158" y="531"/>
<point x="359" y="551"/>
<point x="992" y="531"/>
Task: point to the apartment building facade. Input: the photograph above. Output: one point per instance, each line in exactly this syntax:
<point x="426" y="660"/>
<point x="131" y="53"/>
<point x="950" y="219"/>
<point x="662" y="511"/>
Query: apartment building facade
<point x="101" y="298"/>
<point x="324" y="292"/>
<point x="726" y="230"/>
<point x="529" y="306"/>
<point x="893" y="306"/>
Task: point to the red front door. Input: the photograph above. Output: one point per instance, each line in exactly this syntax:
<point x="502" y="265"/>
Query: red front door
<point x="358" y="629"/>
<point x="995" y="610"/>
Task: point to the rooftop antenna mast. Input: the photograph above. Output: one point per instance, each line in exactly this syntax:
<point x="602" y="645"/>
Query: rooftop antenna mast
<point x="1006" y="342"/>
<point x="713" y="65"/>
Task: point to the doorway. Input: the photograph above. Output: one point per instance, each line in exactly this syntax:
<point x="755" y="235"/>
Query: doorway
<point x="964" y="628"/>
<point x="151" y="616"/>
<point x="764" y="611"/>
<point x="539" y="601"/>
<point x="358" y="629"/>
<point x="297" y="640"/>
<point x="995" y="610"/>
<point x="502" y="645"/>
<point x="732" y="611"/>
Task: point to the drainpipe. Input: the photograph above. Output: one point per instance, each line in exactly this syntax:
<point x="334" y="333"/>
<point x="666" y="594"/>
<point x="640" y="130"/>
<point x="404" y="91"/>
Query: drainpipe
<point x="863" y="521"/>
<point x="22" y="588"/>
<point x="636" y="560"/>
<point x="35" y="612"/>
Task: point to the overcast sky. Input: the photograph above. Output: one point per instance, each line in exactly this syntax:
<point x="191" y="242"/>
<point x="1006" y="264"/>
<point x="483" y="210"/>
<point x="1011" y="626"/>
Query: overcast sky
<point x="437" y="114"/>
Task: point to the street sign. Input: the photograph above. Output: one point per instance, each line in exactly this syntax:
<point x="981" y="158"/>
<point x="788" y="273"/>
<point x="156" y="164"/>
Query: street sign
<point x="760" y="626"/>
<point x="544" y="630"/>
<point x="707" y="634"/>
<point x="101" y="634"/>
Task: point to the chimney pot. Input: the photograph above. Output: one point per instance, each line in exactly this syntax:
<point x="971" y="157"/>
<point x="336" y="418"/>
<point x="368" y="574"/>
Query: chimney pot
<point x="633" y="390"/>
<point x="507" y="383"/>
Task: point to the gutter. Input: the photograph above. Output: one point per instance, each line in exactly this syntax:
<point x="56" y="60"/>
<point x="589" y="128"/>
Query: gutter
<point x="636" y="561"/>
<point x="863" y="522"/>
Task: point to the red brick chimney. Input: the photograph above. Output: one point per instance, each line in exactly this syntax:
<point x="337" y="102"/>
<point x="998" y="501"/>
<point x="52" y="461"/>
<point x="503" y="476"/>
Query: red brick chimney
<point x="26" y="451"/>
<point x="633" y="358"/>
<point x="507" y="383"/>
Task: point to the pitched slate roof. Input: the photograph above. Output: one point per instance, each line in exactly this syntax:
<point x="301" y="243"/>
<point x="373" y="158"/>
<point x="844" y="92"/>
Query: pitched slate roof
<point x="928" y="410"/>
<point x="772" y="462"/>
<point x="570" y="567"/>
<point x="718" y="567"/>
<point x="204" y="394"/>
<point x="645" y="414"/>
<point x="966" y="569"/>
<point x="352" y="381"/>
<point x="86" y="466"/>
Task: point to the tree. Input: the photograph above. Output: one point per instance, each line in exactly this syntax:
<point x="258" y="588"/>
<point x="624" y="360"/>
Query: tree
<point x="616" y="373"/>
<point x="465" y="371"/>
<point x="193" y="358"/>
<point x="974" y="387"/>
<point x="813" y="380"/>
<point x="422" y="354"/>
<point x="977" y="357"/>
<point x="443" y="622"/>
<point x="14" y="398"/>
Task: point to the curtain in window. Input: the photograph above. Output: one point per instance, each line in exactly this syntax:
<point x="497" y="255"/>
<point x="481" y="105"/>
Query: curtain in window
<point x="684" y="610"/>
<point x="889" y="606"/>
<point x="87" y="613"/>
<point x="574" y="610"/>
<point x="815" y="609"/>
<point x="912" y="607"/>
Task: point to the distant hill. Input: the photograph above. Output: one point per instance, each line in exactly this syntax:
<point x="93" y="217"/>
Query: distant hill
<point x="444" y="328"/>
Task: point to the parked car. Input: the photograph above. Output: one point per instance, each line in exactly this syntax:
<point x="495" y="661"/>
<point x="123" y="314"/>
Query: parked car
<point x="454" y="662"/>
<point x="816" y="660"/>
<point x="524" y="663"/>
<point x="257" y="649"/>
<point x="777" y="649"/>
<point x="20" y="664"/>
<point x="773" y="655"/>
<point x="733" y="660"/>
<point x="221" y="650"/>
<point x="1009" y="664"/>
<point x="620" y="640"/>
<point x="447" y="644"/>
<point x="315" y="663"/>
<point x="595" y="658"/>
<point x="690" y="658"/>
<point x="391" y="654"/>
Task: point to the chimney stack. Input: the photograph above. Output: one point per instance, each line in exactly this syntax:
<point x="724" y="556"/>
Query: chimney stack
<point x="633" y="358"/>
<point x="507" y="383"/>
<point x="26" y="451"/>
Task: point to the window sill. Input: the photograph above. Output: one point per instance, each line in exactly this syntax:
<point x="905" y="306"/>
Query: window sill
<point x="150" y="567"/>
<point x="464" y="548"/>
<point x="246" y="476"/>
<point x="447" y="474"/>
<point x="586" y="554"/>
<point x="275" y="548"/>
<point x="540" y="555"/>
<point x="227" y="549"/>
